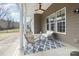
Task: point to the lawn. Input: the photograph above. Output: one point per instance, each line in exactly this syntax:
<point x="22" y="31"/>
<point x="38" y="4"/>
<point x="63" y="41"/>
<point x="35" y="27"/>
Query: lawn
<point x="9" y="31"/>
<point x="6" y="33"/>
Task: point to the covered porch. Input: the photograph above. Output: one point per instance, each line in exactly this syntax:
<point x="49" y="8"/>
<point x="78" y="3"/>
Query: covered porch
<point x="38" y="26"/>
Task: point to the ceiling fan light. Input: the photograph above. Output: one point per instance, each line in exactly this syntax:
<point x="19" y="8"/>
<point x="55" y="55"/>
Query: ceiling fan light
<point x="39" y="11"/>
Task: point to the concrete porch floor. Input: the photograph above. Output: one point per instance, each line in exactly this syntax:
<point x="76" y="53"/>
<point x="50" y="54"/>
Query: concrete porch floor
<point x="63" y="51"/>
<point x="10" y="44"/>
<point x="14" y="50"/>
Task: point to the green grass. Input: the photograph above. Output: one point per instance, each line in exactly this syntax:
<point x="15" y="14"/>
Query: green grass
<point x="9" y="31"/>
<point x="6" y="33"/>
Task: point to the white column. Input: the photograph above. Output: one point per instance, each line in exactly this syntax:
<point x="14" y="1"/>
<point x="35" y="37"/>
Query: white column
<point x="21" y="26"/>
<point x="24" y="9"/>
<point x="24" y="20"/>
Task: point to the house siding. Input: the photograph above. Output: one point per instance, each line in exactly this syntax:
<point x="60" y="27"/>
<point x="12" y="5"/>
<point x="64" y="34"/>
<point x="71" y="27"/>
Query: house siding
<point x="4" y="25"/>
<point x="37" y="23"/>
<point x="72" y="22"/>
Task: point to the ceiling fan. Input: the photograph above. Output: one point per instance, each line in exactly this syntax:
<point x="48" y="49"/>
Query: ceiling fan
<point x="40" y="8"/>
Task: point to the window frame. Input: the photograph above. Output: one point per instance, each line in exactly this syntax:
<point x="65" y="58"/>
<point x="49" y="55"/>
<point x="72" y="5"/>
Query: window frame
<point x="61" y="21"/>
<point x="55" y="21"/>
<point x="47" y="23"/>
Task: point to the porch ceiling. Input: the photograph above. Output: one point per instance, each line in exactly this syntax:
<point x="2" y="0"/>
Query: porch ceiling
<point x="32" y="6"/>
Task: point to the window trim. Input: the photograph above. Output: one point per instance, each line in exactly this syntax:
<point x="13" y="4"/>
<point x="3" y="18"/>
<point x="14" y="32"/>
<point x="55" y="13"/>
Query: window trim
<point x="65" y="21"/>
<point x="47" y="24"/>
<point x="55" y="15"/>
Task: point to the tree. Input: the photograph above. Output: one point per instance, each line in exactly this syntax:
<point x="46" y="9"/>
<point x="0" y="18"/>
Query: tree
<point x="3" y="11"/>
<point x="6" y="14"/>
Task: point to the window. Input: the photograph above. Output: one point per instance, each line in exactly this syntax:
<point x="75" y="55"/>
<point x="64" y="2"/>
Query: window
<point x="61" y="21"/>
<point x="57" y="21"/>
<point x="52" y="24"/>
<point x="61" y="26"/>
<point x="47" y="24"/>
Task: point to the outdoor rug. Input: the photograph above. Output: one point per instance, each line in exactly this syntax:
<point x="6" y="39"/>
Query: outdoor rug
<point x="42" y="44"/>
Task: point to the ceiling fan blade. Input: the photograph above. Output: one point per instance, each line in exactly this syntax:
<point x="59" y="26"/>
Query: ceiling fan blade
<point x="42" y="9"/>
<point x="36" y="9"/>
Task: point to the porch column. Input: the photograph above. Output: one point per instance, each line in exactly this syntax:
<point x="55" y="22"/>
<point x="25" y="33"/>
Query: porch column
<point x="21" y="26"/>
<point x="24" y="19"/>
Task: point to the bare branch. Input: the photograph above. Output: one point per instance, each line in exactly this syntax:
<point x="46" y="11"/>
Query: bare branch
<point x="3" y="11"/>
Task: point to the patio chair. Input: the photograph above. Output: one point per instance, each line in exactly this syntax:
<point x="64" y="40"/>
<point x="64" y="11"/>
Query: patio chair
<point x="30" y="37"/>
<point x="39" y="43"/>
<point x="31" y="40"/>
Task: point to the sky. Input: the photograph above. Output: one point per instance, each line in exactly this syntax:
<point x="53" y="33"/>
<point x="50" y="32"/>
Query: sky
<point x="39" y="1"/>
<point x="14" y="12"/>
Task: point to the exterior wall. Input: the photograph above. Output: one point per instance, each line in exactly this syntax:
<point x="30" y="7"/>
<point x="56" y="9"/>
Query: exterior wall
<point x="37" y="23"/>
<point x="32" y="24"/>
<point x="16" y="25"/>
<point x="72" y="22"/>
<point x="4" y="24"/>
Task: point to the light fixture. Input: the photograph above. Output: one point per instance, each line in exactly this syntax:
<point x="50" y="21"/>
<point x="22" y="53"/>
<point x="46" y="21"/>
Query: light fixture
<point x="76" y="11"/>
<point x="40" y="10"/>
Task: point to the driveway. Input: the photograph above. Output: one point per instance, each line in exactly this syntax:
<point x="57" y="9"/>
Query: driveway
<point x="9" y="44"/>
